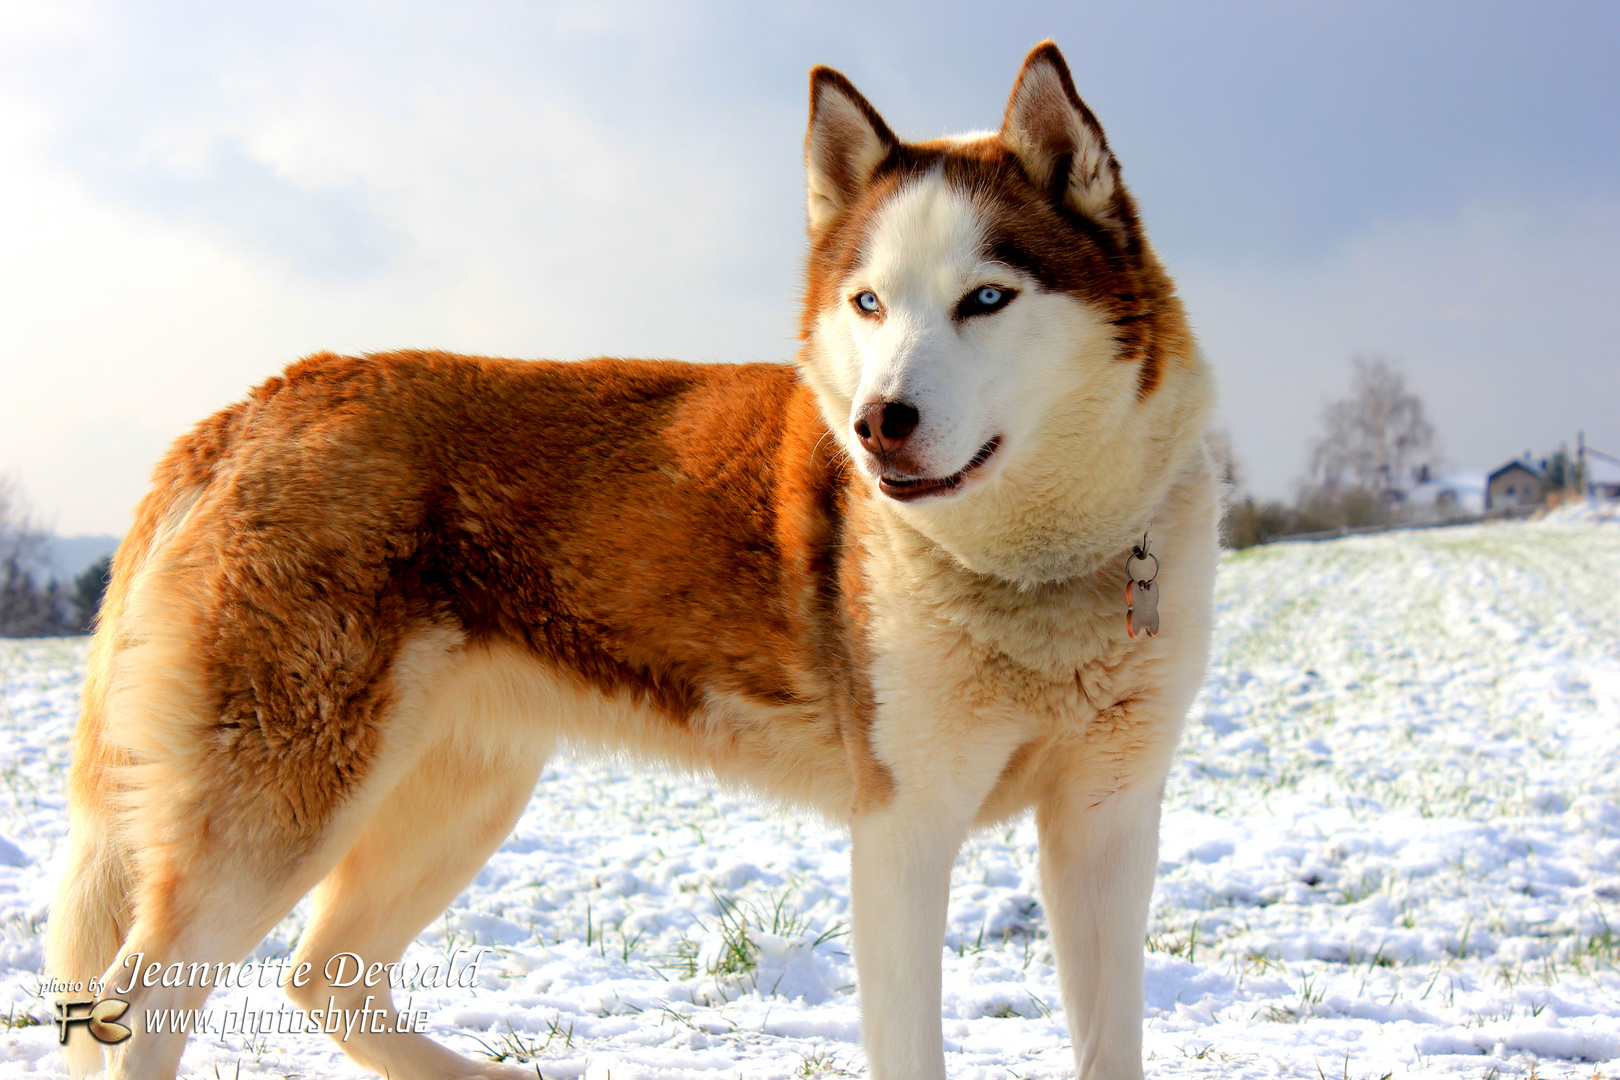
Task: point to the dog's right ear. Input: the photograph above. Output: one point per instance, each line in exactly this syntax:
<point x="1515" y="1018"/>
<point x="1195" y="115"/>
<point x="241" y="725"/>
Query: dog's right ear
<point x="1061" y="145"/>
<point x="846" y="143"/>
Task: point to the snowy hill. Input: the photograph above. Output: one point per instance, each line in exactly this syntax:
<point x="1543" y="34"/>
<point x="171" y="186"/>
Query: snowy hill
<point x="1391" y="846"/>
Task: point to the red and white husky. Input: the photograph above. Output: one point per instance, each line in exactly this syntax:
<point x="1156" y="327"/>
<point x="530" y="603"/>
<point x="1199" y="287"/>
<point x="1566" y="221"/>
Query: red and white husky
<point x="358" y="610"/>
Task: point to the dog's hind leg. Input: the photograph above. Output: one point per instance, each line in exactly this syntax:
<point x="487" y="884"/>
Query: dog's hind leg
<point x="429" y="838"/>
<point x="203" y="899"/>
<point x="234" y="802"/>
<point x="88" y="919"/>
<point x="222" y="906"/>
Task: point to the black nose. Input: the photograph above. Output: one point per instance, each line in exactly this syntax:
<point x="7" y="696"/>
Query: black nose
<point x="882" y="426"/>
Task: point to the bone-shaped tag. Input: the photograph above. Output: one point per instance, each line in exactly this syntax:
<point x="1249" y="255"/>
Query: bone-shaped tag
<point x="1141" y="609"/>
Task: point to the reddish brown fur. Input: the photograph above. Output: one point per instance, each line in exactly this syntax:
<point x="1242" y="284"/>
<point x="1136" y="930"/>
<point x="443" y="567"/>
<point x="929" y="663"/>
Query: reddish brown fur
<point x="674" y="528"/>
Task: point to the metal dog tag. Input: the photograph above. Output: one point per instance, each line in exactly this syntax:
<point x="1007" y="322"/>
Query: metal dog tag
<point x="1141" y="609"/>
<point x="1141" y="598"/>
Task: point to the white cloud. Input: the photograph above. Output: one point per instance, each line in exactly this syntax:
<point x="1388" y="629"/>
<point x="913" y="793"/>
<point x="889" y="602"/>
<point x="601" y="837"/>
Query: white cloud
<point x="152" y="279"/>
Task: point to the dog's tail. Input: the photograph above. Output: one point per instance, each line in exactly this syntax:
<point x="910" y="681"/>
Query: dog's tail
<point x="92" y="911"/>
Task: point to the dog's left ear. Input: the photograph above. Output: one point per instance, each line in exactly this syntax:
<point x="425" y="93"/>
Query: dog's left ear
<point x="1061" y="145"/>
<point x="846" y="143"/>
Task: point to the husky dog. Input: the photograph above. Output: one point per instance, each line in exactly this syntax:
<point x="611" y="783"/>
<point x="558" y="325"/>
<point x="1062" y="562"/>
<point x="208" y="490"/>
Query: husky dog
<point x="358" y="610"/>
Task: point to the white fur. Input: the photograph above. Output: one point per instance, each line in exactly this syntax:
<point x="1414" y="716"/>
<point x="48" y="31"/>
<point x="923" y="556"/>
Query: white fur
<point x="1042" y="373"/>
<point x="970" y="380"/>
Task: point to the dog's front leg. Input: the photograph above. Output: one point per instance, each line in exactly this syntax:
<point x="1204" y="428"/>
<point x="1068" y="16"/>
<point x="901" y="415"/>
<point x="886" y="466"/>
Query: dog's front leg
<point x="901" y="858"/>
<point x="1098" y="857"/>
<point x="900" y="880"/>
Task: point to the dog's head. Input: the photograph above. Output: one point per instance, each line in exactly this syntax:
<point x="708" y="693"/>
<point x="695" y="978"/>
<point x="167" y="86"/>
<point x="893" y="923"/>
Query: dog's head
<point x="986" y="327"/>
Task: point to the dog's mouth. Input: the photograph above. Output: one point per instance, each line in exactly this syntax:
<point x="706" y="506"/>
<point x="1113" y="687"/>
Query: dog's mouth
<point x="910" y="488"/>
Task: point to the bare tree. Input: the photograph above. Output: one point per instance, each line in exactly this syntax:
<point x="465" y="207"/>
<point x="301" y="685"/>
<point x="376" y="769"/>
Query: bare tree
<point x="27" y="609"/>
<point x="21" y="541"/>
<point x="1376" y="436"/>
<point x="1223" y="456"/>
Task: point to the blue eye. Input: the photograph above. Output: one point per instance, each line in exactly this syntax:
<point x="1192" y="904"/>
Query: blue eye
<point x="985" y="300"/>
<point x="868" y="302"/>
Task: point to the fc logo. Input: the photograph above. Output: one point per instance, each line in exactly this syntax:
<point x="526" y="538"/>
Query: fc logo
<point x="99" y="1015"/>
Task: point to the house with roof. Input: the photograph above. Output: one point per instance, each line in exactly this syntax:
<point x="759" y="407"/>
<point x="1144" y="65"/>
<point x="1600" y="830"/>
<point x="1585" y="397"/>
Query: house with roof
<point x="1516" y="484"/>
<point x="1438" y="496"/>
<point x="1602" y="476"/>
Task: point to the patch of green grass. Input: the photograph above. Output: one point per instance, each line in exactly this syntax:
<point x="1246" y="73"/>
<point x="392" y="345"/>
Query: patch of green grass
<point x="15" y="1019"/>
<point x="820" y="1061"/>
<point x="1311" y="994"/>
<point x="739" y="923"/>
<point x="515" y="1046"/>
<point x="1186" y="948"/>
<point x="739" y="954"/>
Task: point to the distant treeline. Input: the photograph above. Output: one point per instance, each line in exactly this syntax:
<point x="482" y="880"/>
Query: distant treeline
<point x="29" y="608"/>
<point x="32" y="602"/>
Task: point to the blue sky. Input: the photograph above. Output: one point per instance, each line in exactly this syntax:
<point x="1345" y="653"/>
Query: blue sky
<point x="196" y="194"/>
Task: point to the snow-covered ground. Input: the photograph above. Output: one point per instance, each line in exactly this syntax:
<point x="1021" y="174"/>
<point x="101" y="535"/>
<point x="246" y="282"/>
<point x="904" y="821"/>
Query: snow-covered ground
<point x="1391" y="846"/>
